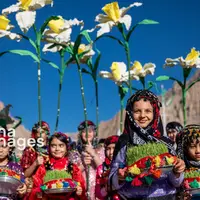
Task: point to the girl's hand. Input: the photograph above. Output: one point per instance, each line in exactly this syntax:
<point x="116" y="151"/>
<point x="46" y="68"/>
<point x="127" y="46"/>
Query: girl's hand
<point x="122" y="174"/>
<point x="79" y="190"/>
<point x="29" y="184"/>
<point x="89" y="149"/>
<point x="87" y="159"/>
<point x="21" y="190"/>
<point x="39" y="161"/>
<point x="179" y="167"/>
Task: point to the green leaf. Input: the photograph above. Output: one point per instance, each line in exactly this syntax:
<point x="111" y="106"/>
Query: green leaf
<point x="77" y="44"/>
<point x="96" y="64"/>
<point x="123" y="91"/>
<point x="191" y="84"/>
<point x="46" y="23"/>
<point x="29" y="39"/>
<point x="70" y="60"/>
<point x="85" y="71"/>
<point x="112" y="37"/>
<point x="148" y="180"/>
<point x="22" y="53"/>
<point x="86" y="35"/>
<point x="130" y="32"/>
<point x="186" y="72"/>
<point x="162" y="78"/>
<point x="52" y="64"/>
<point x="148" y="21"/>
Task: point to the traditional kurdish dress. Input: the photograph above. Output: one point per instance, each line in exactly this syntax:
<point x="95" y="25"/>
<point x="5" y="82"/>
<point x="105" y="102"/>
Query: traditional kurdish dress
<point x="17" y="169"/>
<point x="101" y="189"/>
<point x="57" y="164"/>
<point x="165" y="186"/>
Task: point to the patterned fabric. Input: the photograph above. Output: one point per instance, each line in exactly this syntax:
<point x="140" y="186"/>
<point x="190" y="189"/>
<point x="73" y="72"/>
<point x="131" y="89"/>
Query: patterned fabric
<point x="135" y="135"/>
<point x="17" y="168"/>
<point x="44" y="126"/>
<point x="29" y="156"/>
<point x="60" y="164"/>
<point x="184" y="138"/>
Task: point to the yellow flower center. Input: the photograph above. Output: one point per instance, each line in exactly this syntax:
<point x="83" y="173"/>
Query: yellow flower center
<point x="25" y="4"/>
<point x="192" y="56"/>
<point x="112" y="10"/>
<point x="3" y="22"/>
<point x="81" y="48"/>
<point x="56" y="25"/>
<point x="137" y="67"/>
<point x="116" y="71"/>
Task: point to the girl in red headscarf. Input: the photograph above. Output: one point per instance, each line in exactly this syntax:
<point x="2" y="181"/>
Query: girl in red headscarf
<point x="58" y="160"/>
<point x="34" y="156"/>
<point x="101" y="188"/>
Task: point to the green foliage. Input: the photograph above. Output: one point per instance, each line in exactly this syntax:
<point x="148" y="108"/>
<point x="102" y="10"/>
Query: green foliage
<point x="192" y="174"/>
<point x="56" y="174"/>
<point x="135" y="153"/>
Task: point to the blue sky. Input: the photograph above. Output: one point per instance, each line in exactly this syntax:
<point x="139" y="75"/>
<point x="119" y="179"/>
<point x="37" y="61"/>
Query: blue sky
<point x="177" y="33"/>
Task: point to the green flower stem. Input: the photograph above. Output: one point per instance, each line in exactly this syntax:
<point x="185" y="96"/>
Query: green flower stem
<point x="38" y="50"/>
<point x="85" y="117"/>
<point x="127" y="50"/>
<point x="60" y="88"/>
<point x="97" y="106"/>
<point x="120" y="89"/>
<point x="142" y="80"/>
<point x="184" y="93"/>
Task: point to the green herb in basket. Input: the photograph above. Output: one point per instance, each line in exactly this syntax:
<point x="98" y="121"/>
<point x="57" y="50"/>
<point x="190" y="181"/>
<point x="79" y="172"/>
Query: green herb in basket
<point x="192" y="174"/>
<point x="56" y="174"/>
<point x="136" y="153"/>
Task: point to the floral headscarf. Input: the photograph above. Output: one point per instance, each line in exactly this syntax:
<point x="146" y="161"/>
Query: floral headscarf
<point x="184" y="139"/>
<point x="44" y="126"/>
<point x="135" y="135"/>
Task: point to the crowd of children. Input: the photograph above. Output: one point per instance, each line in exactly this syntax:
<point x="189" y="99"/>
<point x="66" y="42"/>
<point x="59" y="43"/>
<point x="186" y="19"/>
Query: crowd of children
<point x="100" y="169"/>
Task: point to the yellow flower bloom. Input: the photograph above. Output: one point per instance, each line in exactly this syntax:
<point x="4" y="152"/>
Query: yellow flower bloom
<point x="192" y="56"/>
<point x="25" y="4"/>
<point x="81" y="48"/>
<point x="137" y="67"/>
<point x="3" y="22"/>
<point x="56" y="25"/>
<point x="112" y="10"/>
<point x="116" y="71"/>
<point x="157" y="161"/>
<point x="134" y="170"/>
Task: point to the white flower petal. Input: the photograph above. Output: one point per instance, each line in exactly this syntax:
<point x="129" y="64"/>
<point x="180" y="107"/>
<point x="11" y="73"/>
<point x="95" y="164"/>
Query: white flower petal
<point x="197" y="65"/>
<point x="105" y="74"/>
<point x="122" y="67"/>
<point x="124" y="10"/>
<point x="169" y="62"/>
<point x="102" y="18"/>
<point x="72" y="22"/>
<point x="11" y="9"/>
<point x="126" y="20"/>
<point x="53" y="50"/>
<point x="37" y="4"/>
<point x="25" y="20"/>
<point x="8" y="34"/>
<point x="104" y="28"/>
<point x="149" y="68"/>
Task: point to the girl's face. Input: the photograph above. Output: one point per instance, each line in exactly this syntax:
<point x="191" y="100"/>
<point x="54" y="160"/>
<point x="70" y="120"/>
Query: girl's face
<point x="90" y="135"/>
<point x="4" y="150"/>
<point x="109" y="151"/>
<point x="194" y="150"/>
<point x="142" y="113"/>
<point x="43" y="134"/>
<point x="58" y="148"/>
<point x="172" y="134"/>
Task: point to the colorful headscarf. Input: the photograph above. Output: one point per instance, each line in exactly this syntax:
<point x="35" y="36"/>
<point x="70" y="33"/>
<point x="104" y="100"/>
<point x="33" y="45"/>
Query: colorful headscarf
<point x="135" y="135"/>
<point x="175" y="126"/>
<point x="81" y="127"/>
<point x="44" y="126"/>
<point x="184" y="139"/>
<point x="111" y="140"/>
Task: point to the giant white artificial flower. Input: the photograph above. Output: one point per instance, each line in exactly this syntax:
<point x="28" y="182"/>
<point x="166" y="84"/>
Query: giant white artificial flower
<point x="192" y="60"/>
<point x="114" y="15"/>
<point x="5" y="29"/>
<point x="138" y="70"/>
<point x="59" y="33"/>
<point x="26" y="12"/>
<point x="118" y="73"/>
<point x="86" y="56"/>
